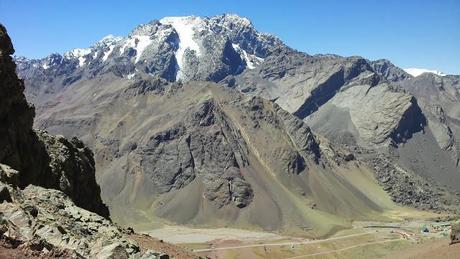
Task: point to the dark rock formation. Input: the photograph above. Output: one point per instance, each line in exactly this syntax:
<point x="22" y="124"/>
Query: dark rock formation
<point x="412" y="190"/>
<point x="204" y="144"/>
<point x="455" y="233"/>
<point x="17" y="140"/>
<point x="72" y="170"/>
<point x="41" y="159"/>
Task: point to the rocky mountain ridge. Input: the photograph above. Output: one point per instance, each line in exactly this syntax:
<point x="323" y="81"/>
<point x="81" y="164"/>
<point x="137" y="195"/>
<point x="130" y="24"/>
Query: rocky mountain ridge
<point x="174" y="48"/>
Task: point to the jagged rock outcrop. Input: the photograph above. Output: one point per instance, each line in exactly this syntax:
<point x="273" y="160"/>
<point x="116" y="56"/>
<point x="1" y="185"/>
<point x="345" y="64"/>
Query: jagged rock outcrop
<point x="72" y="171"/>
<point x="46" y="222"/>
<point x="17" y="140"/>
<point x="455" y="233"/>
<point x="41" y="159"/>
<point x="389" y="71"/>
<point x="413" y="190"/>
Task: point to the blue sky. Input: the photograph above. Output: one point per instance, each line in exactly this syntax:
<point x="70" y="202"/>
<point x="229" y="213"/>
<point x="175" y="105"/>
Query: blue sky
<point x="410" y="33"/>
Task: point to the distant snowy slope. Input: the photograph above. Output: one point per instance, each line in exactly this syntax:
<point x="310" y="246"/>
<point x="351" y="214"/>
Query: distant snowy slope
<point x="419" y="71"/>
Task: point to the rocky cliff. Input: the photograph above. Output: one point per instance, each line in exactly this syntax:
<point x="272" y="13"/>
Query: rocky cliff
<point x="41" y="159"/>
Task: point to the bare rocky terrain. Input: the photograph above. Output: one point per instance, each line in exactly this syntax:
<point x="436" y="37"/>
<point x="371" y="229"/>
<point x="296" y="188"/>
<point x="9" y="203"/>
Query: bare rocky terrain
<point x="222" y="158"/>
<point x="204" y="121"/>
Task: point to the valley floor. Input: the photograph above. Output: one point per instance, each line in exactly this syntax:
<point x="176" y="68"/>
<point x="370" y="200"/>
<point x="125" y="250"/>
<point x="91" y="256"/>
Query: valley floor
<point x="437" y="248"/>
<point x="366" y="240"/>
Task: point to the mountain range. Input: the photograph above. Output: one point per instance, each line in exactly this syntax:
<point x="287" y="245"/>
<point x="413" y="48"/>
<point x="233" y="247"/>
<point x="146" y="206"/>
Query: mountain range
<point x="50" y="203"/>
<point x="206" y="121"/>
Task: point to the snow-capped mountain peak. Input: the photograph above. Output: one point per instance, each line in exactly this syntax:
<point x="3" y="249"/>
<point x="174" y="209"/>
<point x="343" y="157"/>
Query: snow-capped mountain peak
<point x="185" y="27"/>
<point x="232" y="19"/>
<point x="75" y="53"/>
<point x="78" y="53"/>
<point x="109" y="40"/>
<point x="418" y="71"/>
<point x="175" y="48"/>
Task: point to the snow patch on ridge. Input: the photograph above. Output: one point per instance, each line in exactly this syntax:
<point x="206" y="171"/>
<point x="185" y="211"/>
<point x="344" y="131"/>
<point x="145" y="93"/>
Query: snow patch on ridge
<point x="184" y="26"/>
<point x="418" y="71"/>
<point x="107" y="54"/>
<point x="137" y="42"/>
<point x="109" y="40"/>
<point x="251" y="60"/>
<point x="78" y="53"/>
<point x="142" y="43"/>
<point x="81" y="61"/>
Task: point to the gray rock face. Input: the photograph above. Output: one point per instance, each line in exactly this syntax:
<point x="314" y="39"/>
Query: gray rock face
<point x="439" y="98"/>
<point x="412" y="190"/>
<point x="16" y="114"/>
<point x="40" y="158"/>
<point x="204" y="144"/>
<point x="72" y="171"/>
<point x="300" y="83"/>
<point x="390" y="72"/>
<point x="380" y="115"/>
<point x="309" y="87"/>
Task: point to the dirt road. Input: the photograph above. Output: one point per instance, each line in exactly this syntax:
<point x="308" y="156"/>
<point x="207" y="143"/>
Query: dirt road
<point x="282" y="244"/>
<point x="345" y="248"/>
